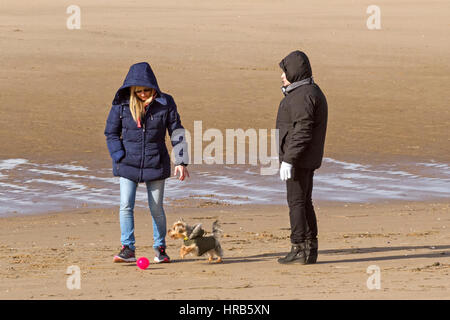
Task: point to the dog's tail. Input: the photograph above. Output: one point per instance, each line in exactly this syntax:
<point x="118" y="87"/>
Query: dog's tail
<point x="216" y="231"/>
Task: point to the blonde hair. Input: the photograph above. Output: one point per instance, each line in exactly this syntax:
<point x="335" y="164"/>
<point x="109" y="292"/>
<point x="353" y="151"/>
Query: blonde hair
<point x="137" y="106"/>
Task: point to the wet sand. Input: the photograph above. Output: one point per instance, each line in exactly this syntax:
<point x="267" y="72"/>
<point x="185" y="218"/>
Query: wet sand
<point x="409" y="242"/>
<point x="385" y="88"/>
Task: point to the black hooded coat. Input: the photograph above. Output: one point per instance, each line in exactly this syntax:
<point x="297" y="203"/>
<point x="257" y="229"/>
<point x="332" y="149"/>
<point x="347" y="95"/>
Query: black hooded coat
<point x="302" y="116"/>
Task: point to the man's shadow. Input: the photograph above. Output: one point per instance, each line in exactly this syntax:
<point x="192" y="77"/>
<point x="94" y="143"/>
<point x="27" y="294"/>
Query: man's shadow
<point x="438" y="251"/>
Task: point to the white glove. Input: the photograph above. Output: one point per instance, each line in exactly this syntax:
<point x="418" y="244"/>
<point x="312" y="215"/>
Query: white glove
<point x="285" y="171"/>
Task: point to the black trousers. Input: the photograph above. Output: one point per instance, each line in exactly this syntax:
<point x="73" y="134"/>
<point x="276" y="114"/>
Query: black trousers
<point x="301" y="210"/>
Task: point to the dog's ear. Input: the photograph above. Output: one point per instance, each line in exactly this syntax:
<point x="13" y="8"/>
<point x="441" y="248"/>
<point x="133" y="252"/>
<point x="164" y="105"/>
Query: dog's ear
<point x="181" y="219"/>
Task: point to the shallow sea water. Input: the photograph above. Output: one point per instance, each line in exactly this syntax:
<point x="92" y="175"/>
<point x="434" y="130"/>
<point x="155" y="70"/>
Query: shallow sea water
<point x="27" y="187"/>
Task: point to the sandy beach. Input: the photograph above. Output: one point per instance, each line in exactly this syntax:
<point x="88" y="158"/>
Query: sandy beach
<point x="387" y="140"/>
<point x="385" y="88"/>
<point x="409" y="242"/>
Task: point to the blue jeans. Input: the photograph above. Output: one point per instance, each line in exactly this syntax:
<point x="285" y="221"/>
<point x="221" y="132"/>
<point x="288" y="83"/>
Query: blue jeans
<point x="155" y="191"/>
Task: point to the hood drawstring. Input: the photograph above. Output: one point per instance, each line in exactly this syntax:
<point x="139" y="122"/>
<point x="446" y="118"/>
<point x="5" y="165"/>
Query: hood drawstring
<point x="147" y="107"/>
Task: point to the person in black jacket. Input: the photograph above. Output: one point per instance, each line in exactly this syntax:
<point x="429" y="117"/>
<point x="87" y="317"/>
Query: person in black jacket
<point x="302" y="123"/>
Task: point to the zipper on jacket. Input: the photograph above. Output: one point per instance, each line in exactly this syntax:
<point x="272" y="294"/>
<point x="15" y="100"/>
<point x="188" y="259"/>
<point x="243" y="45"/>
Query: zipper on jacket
<point x="141" y="176"/>
<point x="143" y="149"/>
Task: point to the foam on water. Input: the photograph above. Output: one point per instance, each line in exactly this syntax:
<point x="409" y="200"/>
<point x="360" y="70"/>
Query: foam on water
<point x="27" y="187"/>
<point x="10" y="164"/>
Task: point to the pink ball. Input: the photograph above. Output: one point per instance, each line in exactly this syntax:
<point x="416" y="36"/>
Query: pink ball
<point x="143" y="263"/>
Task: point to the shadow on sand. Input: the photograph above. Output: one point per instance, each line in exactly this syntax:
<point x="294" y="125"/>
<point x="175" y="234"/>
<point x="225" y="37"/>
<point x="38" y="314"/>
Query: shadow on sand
<point x="438" y="251"/>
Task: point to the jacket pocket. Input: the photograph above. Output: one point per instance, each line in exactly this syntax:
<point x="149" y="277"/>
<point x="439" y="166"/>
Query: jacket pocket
<point x="152" y="159"/>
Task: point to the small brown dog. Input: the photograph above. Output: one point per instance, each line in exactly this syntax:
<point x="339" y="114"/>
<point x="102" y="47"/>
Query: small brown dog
<point x="195" y="240"/>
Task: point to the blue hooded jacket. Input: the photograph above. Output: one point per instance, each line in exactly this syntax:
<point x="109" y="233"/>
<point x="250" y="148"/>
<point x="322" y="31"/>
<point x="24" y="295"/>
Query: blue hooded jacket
<point x="140" y="154"/>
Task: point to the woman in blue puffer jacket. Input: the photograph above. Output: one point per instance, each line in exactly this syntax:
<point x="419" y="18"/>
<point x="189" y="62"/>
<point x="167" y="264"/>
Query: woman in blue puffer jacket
<point x="135" y="135"/>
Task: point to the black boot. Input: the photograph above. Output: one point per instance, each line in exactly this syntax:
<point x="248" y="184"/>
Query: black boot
<point x="297" y="255"/>
<point x="311" y="251"/>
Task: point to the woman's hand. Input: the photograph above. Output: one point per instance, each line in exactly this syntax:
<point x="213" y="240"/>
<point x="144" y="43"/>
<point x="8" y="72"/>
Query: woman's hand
<point x="183" y="172"/>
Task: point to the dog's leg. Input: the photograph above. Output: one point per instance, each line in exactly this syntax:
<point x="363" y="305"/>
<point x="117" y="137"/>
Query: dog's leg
<point x="185" y="250"/>
<point x="219" y="253"/>
<point x="211" y="255"/>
